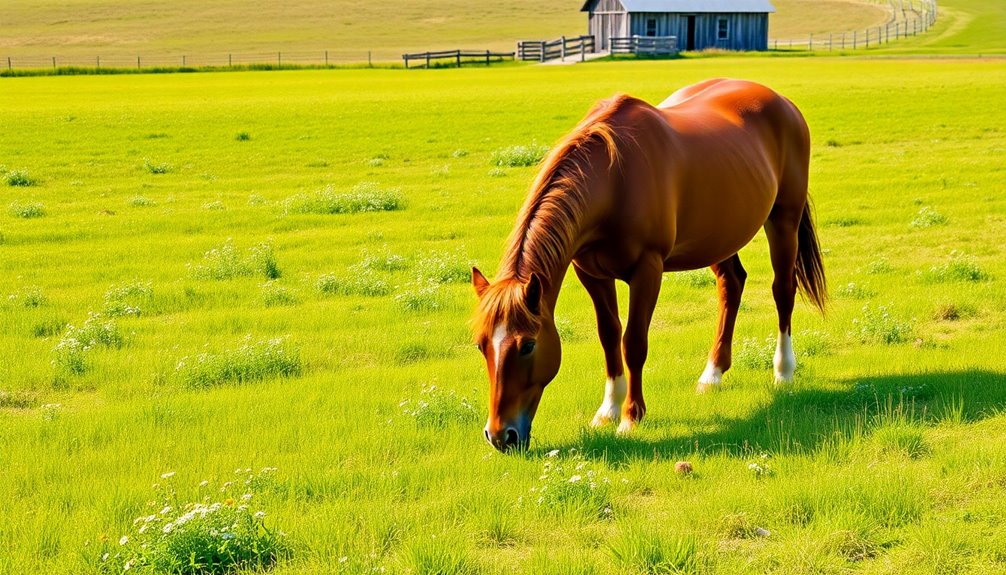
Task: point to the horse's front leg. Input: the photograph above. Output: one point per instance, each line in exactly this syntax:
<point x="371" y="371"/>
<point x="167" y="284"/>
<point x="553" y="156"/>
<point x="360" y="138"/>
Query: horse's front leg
<point x="644" y="287"/>
<point x="609" y="329"/>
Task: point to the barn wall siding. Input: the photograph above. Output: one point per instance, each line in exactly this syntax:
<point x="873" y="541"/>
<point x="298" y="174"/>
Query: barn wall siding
<point x="747" y="31"/>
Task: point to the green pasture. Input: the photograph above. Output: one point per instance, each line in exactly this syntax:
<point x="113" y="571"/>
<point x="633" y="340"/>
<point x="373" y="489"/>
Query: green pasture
<point x="239" y="328"/>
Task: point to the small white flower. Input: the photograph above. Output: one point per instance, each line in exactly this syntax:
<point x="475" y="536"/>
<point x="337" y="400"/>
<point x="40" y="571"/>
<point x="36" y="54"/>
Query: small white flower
<point x="228" y="536"/>
<point x="259" y="514"/>
<point x="552" y="453"/>
<point x="575" y="478"/>
<point x="343" y="559"/>
<point x="123" y="540"/>
<point x="104" y="557"/>
<point x="203" y="483"/>
<point x="166" y="510"/>
<point x="246" y="497"/>
<point x="168" y="475"/>
<point x="168" y="528"/>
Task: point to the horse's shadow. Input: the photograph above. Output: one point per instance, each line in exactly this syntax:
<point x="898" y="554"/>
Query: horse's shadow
<point x="805" y="421"/>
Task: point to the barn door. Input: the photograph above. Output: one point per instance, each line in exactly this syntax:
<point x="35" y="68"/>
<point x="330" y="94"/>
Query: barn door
<point x="690" y="44"/>
<point x="604" y="30"/>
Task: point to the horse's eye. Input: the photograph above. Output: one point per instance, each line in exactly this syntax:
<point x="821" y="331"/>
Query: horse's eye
<point x="527" y="347"/>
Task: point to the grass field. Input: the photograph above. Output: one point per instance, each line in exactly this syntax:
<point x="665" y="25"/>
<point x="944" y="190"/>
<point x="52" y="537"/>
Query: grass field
<point x="204" y="216"/>
<point x="89" y="28"/>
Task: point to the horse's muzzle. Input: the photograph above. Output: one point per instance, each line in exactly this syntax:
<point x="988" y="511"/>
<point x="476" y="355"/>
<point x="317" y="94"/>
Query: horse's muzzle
<point x="509" y="437"/>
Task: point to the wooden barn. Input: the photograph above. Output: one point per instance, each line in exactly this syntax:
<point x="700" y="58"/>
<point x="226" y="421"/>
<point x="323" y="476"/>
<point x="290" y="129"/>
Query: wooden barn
<point x="697" y="24"/>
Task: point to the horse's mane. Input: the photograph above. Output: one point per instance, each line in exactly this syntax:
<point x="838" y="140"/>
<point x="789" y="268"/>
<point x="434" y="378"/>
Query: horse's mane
<point x="548" y="222"/>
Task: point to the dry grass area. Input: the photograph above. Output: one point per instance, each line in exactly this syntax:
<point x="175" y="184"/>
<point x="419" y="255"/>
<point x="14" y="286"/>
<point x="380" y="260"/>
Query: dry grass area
<point x="799" y="18"/>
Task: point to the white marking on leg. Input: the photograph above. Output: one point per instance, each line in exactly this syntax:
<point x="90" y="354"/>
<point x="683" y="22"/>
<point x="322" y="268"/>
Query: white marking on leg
<point x="499" y="333"/>
<point x="614" y="395"/>
<point x="710" y="378"/>
<point x="785" y="360"/>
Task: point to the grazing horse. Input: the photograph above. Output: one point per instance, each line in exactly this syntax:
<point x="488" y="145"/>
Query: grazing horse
<point x="632" y="192"/>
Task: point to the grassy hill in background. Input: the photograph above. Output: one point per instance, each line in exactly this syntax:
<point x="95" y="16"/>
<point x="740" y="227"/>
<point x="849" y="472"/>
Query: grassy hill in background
<point x="145" y="27"/>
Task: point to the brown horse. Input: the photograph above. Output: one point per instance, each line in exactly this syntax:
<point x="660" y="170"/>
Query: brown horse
<point x="633" y="192"/>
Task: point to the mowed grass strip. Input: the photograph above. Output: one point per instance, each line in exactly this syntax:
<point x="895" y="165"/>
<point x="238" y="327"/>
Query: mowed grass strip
<point x="883" y="458"/>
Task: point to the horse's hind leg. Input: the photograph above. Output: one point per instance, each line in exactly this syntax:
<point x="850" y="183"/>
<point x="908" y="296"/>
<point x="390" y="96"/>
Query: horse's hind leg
<point x="730" y="277"/>
<point x="781" y="229"/>
<point x="609" y="329"/>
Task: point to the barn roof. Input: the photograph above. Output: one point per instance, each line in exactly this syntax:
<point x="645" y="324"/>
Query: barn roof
<point x="701" y="6"/>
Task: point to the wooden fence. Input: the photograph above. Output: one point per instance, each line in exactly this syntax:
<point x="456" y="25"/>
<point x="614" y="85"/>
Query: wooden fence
<point x="645" y="45"/>
<point x="456" y="57"/>
<point x="912" y="22"/>
<point x="10" y="63"/>
<point x="542" y="51"/>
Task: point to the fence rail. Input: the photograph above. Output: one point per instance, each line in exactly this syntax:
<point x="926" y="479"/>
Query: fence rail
<point x="458" y="56"/>
<point x="220" y="60"/>
<point x="543" y="51"/>
<point x="904" y="23"/>
<point x="647" y="45"/>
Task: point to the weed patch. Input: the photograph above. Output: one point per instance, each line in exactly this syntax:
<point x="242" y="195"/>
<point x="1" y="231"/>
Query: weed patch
<point x="227" y="262"/>
<point x="643" y="551"/>
<point x="20" y="179"/>
<point x="252" y="361"/>
<point x="877" y="325"/>
<point x="439" y="409"/>
<point x="127" y="299"/>
<point x="26" y="210"/>
<point x="960" y="267"/>
<point x="519" y="156"/>
<point x="927" y="218"/>
<point x="365" y="197"/>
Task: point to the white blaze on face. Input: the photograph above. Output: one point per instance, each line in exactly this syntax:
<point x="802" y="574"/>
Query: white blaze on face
<point x="614" y="395"/>
<point x="785" y="360"/>
<point x="499" y="334"/>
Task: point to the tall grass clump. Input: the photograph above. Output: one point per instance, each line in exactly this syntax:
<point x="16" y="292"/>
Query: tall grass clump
<point x="753" y="353"/>
<point x="439" y="409"/>
<point x="29" y="297"/>
<point x="242" y="136"/>
<point x="26" y="210"/>
<point x="422" y="298"/>
<point x="156" y="168"/>
<point x="694" y="278"/>
<point x="443" y="555"/>
<point x="385" y="261"/>
<point x="274" y="295"/>
<point x="364" y="197"/>
<point x="357" y="282"/>
<point x="519" y="156"/>
<point x="141" y="202"/>
<point x="853" y="290"/>
<point x="959" y="267"/>
<point x="227" y="262"/>
<point x="223" y="532"/>
<point x="126" y="299"/>
<point x="252" y="361"/>
<point x="927" y="218"/>
<point x="877" y="325"/>
<point x="571" y="485"/>
<point x="641" y="551"/>
<point x="69" y="356"/>
<point x="445" y="267"/>
<point x="20" y="179"/>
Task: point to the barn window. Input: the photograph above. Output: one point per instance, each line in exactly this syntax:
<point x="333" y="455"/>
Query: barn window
<point x="722" y="29"/>
<point x="651" y="26"/>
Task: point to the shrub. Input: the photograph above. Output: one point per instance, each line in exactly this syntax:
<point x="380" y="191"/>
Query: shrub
<point x="253" y="361"/>
<point x="960" y="267"/>
<point x="20" y="178"/>
<point x="360" y="283"/>
<point x="570" y="485"/>
<point x="643" y="551"/>
<point x="927" y="218"/>
<point x="126" y="299"/>
<point x="519" y="156"/>
<point x="242" y="136"/>
<point x="365" y="197"/>
<point x="207" y="537"/>
<point x="879" y="326"/>
<point x="26" y="210"/>
<point x="153" y="168"/>
<point x="438" y="409"/>
<point x="226" y="262"/>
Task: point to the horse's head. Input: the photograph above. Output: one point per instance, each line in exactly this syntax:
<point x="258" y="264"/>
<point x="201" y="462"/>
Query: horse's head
<point x="516" y="333"/>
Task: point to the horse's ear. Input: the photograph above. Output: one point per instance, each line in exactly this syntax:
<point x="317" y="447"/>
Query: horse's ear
<point x="479" y="282"/>
<point x="532" y="293"/>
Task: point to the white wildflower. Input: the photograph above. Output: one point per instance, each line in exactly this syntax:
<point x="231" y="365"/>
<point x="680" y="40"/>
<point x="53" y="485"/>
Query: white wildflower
<point x="123" y="540"/>
<point x="575" y="478"/>
<point x="552" y="453"/>
<point x="168" y="475"/>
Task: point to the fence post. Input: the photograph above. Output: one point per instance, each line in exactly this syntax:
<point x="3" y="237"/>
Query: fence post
<point x="541" y="57"/>
<point x="458" y="55"/>
<point x="370" y="59"/>
<point x="810" y="43"/>
<point x="230" y="60"/>
<point x="9" y="68"/>
<point x="183" y="61"/>
<point x="563" y="51"/>
<point x="831" y="41"/>
<point x="97" y="61"/>
<point x="279" y="58"/>
<point x="487" y="57"/>
<point x="137" y="62"/>
<point x="326" y="58"/>
<point x="776" y="44"/>
<point x="854" y="39"/>
<point x="427" y="60"/>
<point x="53" y="62"/>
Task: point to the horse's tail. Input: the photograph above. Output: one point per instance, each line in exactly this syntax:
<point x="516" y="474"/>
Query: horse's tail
<point x="809" y="266"/>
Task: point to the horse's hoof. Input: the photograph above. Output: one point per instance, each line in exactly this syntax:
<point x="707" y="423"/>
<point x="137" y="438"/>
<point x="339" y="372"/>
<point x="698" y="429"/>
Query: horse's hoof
<point x="707" y="387"/>
<point x="781" y="381"/>
<point x="626" y="426"/>
<point x="604" y="416"/>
